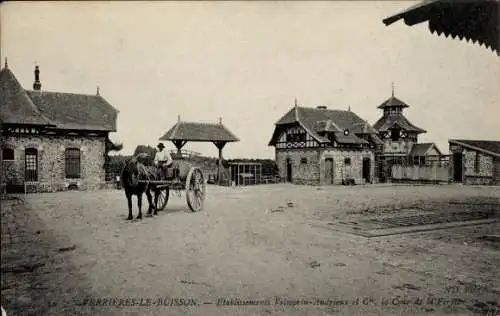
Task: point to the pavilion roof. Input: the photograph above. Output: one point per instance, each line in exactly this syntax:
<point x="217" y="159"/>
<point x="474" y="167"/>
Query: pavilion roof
<point x="199" y="132"/>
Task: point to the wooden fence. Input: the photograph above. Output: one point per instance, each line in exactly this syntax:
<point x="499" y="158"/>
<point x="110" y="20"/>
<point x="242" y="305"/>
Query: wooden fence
<point x="431" y="169"/>
<point x="420" y="173"/>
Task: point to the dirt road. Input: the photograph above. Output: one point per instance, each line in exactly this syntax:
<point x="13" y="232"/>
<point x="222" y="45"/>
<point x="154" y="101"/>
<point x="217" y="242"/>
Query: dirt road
<point x="253" y="251"/>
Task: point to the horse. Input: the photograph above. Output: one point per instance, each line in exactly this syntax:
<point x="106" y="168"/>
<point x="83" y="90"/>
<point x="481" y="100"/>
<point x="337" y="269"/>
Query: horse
<point x="136" y="169"/>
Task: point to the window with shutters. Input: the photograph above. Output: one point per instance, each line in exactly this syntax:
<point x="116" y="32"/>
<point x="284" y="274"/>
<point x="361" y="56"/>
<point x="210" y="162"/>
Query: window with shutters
<point x="72" y="158"/>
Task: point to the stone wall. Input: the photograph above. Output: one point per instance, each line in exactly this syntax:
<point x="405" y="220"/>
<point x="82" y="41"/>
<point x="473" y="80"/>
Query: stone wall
<point x="352" y="171"/>
<point x="308" y="165"/>
<point x="305" y="165"/>
<point x="487" y="172"/>
<point x="486" y="168"/>
<point x="51" y="161"/>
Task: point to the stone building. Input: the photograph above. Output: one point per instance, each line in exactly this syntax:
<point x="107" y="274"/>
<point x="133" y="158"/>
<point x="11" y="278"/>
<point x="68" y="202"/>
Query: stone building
<point x="475" y="161"/>
<point x="323" y="146"/>
<point x="400" y="140"/>
<point x="52" y="140"/>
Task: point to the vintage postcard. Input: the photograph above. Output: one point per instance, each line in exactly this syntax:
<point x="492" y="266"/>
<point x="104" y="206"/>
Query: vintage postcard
<point x="250" y="157"/>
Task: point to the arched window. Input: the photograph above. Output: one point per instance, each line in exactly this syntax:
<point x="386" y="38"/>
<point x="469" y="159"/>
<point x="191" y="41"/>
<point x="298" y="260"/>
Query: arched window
<point x="8" y="154"/>
<point x="72" y="163"/>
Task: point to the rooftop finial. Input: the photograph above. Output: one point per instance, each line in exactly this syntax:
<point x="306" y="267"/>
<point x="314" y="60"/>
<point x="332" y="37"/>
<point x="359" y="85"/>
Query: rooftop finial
<point x="220" y="120"/>
<point x="6" y="65"/>
<point x="97" y="90"/>
<point x="178" y="118"/>
<point x="296" y="110"/>
<point x="349" y="108"/>
<point x="392" y="84"/>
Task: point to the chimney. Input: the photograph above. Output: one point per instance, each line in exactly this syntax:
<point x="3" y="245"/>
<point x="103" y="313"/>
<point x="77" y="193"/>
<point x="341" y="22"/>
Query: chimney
<point x="37" y="85"/>
<point x="321" y="107"/>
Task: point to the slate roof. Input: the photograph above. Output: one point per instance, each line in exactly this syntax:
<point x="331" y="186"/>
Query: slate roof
<point x="386" y="122"/>
<point x="75" y="111"/>
<point x="16" y="107"/>
<point x="491" y="147"/>
<point x="55" y="109"/>
<point x="476" y="20"/>
<point x="199" y="132"/>
<point x="393" y="102"/>
<point x="422" y="149"/>
<point x="317" y="120"/>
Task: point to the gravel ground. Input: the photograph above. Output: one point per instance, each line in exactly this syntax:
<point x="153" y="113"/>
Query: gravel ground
<point x="64" y="253"/>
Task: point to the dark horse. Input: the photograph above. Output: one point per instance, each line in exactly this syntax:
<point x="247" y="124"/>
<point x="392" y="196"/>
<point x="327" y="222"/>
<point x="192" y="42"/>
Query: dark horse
<point x="136" y="169"/>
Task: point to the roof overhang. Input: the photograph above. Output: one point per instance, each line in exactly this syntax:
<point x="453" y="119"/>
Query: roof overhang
<point x="476" y="21"/>
<point x="458" y="142"/>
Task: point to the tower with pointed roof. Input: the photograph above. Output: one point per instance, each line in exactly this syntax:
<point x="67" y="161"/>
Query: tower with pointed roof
<point x="397" y="132"/>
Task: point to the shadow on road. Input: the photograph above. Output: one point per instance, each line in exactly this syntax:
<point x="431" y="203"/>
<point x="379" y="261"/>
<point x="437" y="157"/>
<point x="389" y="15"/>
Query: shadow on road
<point x="36" y="266"/>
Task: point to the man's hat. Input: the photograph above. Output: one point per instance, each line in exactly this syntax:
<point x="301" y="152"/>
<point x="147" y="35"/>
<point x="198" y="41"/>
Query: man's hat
<point x="160" y="145"/>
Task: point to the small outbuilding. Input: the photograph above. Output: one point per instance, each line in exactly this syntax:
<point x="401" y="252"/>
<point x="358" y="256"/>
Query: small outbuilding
<point x="475" y="161"/>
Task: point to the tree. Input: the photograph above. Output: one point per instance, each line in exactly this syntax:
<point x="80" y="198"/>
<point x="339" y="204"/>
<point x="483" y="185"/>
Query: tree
<point x="109" y="146"/>
<point x="146" y="149"/>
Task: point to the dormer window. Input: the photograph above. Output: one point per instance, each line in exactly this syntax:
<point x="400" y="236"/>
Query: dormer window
<point x="346" y="132"/>
<point x="395" y="133"/>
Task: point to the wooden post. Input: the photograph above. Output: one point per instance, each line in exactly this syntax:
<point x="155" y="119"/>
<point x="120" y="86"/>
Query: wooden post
<point x="219" y="176"/>
<point x="179" y="144"/>
<point x="220" y="145"/>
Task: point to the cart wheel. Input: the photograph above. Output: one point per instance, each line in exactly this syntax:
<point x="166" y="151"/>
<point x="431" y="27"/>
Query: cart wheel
<point x="163" y="196"/>
<point x="195" y="189"/>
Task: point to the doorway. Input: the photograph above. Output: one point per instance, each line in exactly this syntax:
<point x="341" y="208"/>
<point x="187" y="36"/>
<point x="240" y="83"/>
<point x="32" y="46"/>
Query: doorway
<point x="329" y="171"/>
<point x="366" y="169"/>
<point x="289" y="170"/>
<point x="457" y="167"/>
<point x="31" y="164"/>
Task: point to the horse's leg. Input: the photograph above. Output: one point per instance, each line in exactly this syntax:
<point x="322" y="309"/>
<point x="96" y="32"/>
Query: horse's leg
<point x="139" y="205"/>
<point x="157" y="194"/>
<point x="150" y="202"/>
<point x="129" y="201"/>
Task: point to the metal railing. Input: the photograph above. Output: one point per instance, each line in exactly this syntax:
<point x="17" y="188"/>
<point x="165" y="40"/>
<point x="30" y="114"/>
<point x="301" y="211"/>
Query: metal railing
<point x="185" y="153"/>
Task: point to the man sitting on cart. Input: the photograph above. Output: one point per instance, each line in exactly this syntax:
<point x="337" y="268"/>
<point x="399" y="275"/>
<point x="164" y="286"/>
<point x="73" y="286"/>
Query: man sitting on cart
<point x="163" y="160"/>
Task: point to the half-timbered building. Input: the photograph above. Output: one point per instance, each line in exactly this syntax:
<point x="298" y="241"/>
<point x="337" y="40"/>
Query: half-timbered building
<point x="52" y="140"/>
<point x="323" y="146"/>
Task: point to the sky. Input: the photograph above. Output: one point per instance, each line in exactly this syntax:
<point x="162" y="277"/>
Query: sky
<point x="247" y="61"/>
